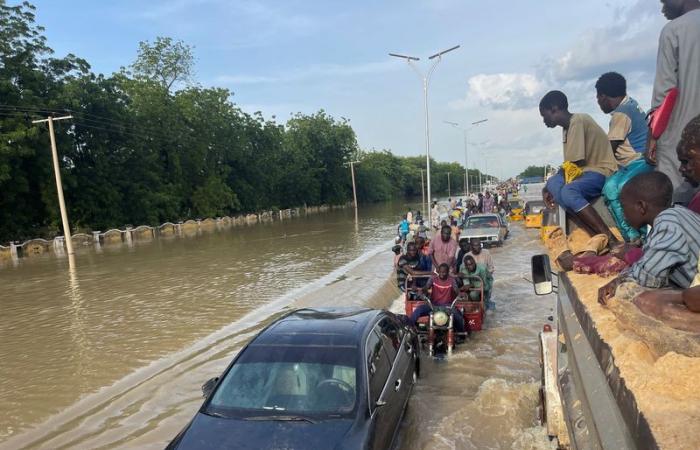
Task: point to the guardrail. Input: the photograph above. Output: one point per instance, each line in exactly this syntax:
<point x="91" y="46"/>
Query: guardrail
<point x="144" y="233"/>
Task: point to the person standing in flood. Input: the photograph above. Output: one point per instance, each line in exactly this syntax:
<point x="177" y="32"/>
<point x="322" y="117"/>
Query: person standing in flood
<point x="443" y="250"/>
<point x="677" y="66"/>
<point x="488" y="203"/>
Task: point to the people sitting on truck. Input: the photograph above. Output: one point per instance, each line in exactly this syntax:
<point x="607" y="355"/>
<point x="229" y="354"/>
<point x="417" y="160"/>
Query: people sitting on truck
<point x="468" y="271"/>
<point x="688" y="153"/>
<point x="628" y="138"/>
<point x="670" y="258"/>
<point x="443" y="250"/>
<point x="443" y="291"/>
<point x="409" y="264"/>
<point x="482" y="256"/>
<point x="588" y="160"/>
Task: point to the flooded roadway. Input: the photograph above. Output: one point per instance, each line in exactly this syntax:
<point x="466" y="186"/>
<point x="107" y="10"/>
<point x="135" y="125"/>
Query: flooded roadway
<point x="114" y="356"/>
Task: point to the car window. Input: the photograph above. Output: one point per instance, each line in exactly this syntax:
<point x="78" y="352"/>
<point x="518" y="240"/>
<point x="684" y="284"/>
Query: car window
<point x="391" y="335"/>
<point x="483" y="222"/>
<point x="289" y="379"/>
<point x="378" y="366"/>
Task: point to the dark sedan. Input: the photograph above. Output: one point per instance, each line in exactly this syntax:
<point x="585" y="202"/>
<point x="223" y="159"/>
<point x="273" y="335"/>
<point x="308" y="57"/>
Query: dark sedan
<point x="315" y="379"/>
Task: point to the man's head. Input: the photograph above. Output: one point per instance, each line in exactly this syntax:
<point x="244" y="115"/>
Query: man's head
<point x="688" y="152"/>
<point x="445" y="233"/>
<point x="611" y="89"/>
<point x="396" y="249"/>
<point x="488" y="194"/>
<point x="464" y="244"/>
<point x="470" y="263"/>
<point x="420" y="242"/>
<point x="554" y="109"/>
<point x="443" y="271"/>
<point x="481" y="195"/>
<point x="411" y="250"/>
<point x="644" y="197"/>
<point x="475" y="245"/>
<point x="673" y="9"/>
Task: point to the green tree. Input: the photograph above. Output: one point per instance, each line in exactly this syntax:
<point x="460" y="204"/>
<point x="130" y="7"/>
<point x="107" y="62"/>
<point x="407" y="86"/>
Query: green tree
<point x="164" y="61"/>
<point x="532" y="171"/>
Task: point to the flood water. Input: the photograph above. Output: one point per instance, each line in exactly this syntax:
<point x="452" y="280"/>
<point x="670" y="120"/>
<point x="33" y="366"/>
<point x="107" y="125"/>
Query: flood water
<point x="113" y="354"/>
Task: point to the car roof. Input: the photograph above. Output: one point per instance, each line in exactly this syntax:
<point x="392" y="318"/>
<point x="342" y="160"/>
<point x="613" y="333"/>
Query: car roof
<point x="483" y="215"/>
<point x="331" y="327"/>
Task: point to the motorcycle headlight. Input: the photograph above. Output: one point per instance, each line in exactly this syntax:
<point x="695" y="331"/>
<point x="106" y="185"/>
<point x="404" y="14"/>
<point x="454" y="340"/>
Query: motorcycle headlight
<point x="440" y="318"/>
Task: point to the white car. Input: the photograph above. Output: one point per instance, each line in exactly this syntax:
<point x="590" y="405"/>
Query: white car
<point x="490" y="228"/>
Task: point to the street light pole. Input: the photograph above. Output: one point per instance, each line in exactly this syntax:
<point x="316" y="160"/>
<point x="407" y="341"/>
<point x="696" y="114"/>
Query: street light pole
<point x="422" y="191"/>
<point x="465" y="130"/>
<point x="426" y="82"/>
<point x="449" y="191"/>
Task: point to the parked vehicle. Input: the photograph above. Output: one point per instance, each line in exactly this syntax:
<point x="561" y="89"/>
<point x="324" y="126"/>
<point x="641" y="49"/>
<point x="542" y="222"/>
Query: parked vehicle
<point x="317" y="378"/>
<point x="436" y="331"/>
<point x="491" y="229"/>
<point x="579" y="409"/>
<point x="533" y="213"/>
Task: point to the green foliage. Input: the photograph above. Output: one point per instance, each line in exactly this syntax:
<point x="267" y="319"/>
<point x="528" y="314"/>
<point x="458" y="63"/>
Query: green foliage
<point x="532" y="171"/>
<point x="147" y="146"/>
<point x="164" y="61"/>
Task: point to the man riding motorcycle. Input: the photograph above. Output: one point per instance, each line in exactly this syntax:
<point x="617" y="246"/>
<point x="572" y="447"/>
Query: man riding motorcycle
<point x="443" y="290"/>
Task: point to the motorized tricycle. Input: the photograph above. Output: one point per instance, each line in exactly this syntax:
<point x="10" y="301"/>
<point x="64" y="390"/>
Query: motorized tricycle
<point x="436" y="330"/>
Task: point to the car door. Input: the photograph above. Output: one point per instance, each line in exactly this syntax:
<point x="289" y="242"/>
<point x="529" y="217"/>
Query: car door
<point x="395" y="343"/>
<point x="382" y="397"/>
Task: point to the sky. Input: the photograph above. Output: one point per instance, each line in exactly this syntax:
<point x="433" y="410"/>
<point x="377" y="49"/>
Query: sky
<point x="281" y="57"/>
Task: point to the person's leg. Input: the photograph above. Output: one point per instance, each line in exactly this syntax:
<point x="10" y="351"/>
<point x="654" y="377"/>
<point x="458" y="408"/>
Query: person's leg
<point x="554" y="186"/>
<point x="487" y="300"/>
<point x="577" y="196"/>
<point x="422" y="310"/>
<point x="458" y="321"/>
<point x="668" y="307"/>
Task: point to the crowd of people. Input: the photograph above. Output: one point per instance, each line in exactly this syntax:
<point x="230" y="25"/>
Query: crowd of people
<point x="444" y="266"/>
<point x="647" y="170"/>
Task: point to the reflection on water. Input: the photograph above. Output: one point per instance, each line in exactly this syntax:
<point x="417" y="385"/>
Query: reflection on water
<point x="137" y="330"/>
<point x="69" y="329"/>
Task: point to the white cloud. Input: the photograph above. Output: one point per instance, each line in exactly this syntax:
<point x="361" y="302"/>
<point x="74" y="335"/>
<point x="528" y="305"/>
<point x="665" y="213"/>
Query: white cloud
<point x="503" y="90"/>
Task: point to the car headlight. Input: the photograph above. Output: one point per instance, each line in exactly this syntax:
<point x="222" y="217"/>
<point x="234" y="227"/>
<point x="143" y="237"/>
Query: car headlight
<point x="440" y="318"/>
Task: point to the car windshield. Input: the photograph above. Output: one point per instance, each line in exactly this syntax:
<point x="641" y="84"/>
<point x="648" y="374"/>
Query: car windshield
<point x="483" y="222"/>
<point x="288" y="381"/>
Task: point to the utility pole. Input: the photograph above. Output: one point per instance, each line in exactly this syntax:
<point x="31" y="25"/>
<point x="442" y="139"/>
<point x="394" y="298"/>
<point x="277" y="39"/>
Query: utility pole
<point x="465" y="130"/>
<point x="354" y="189"/>
<point x="422" y="191"/>
<point x="449" y="191"/>
<point x="59" y="184"/>
<point x="426" y="82"/>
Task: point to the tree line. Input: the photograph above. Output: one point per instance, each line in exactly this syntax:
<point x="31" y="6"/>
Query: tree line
<point x="147" y="144"/>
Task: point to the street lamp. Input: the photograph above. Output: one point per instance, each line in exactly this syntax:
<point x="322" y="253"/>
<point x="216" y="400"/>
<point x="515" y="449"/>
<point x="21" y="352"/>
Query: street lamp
<point x="426" y="80"/>
<point x="466" y="153"/>
<point x="354" y="190"/>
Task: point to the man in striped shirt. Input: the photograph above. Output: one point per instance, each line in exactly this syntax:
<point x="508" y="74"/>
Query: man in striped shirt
<point x="671" y="251"/>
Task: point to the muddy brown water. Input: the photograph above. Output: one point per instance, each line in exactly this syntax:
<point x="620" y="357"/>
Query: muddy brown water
<point x="113" y="354"/>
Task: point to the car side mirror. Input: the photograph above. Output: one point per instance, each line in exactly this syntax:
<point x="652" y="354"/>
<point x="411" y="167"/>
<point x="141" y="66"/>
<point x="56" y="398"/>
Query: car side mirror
<point x="542" y="275"/>
<point x="209" y="386"/>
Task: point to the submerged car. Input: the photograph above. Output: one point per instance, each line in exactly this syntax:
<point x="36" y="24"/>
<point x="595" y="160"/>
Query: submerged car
<point x="317" y="378"/>
<point x="491" y="229"/>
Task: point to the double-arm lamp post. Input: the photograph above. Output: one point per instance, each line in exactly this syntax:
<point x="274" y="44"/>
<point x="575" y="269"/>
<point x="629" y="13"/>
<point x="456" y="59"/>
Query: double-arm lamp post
<point x="436" y="58"/>
<point x="465" y="130"/>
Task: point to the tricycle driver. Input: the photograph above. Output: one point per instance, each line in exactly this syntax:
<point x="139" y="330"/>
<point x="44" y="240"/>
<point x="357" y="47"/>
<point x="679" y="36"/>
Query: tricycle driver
<point x="443" y="290"/>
